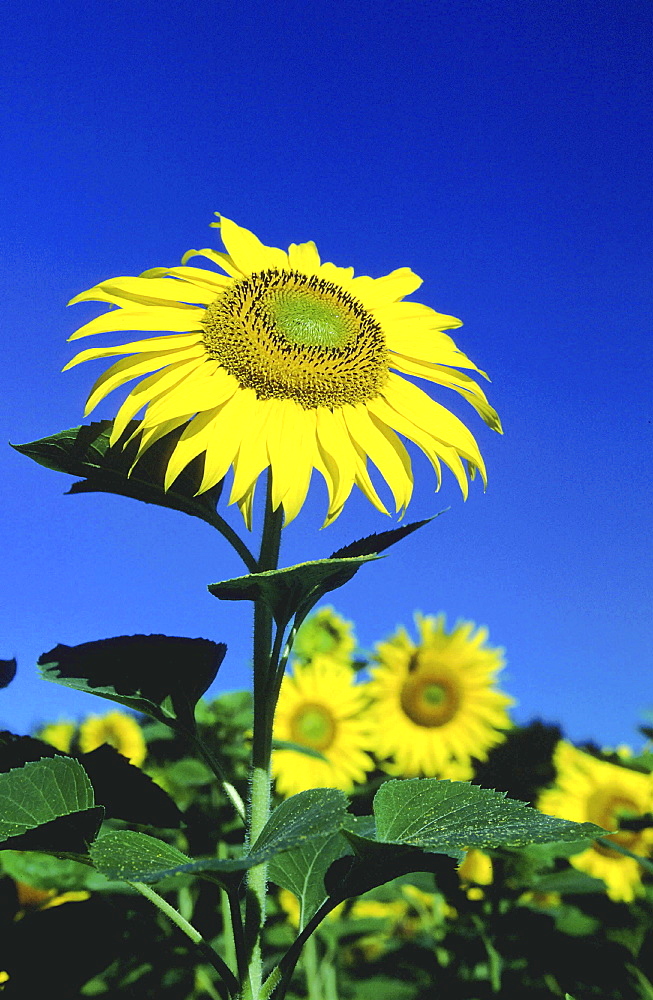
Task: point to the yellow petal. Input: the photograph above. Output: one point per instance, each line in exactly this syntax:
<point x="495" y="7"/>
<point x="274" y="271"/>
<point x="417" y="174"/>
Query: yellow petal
<point x="151" y="435"/>
<point x="247" y="251"/>
<point x="223" y="260"/>
<point x="201" y="277"/>
<point x="302" y="453"/>
<point x="226" y="431"/>
<point x="384" y="449"/>
<point x="304" y="257"/>
<point x="416" y="313"/>
<point x="177" y="320"/>
<point x="337" y="453"/>
<point x="193" y="441"/>
<point x="149" y="291"/>
<point x="169" y="343"/>
<point x="453" y="379"/>
<point x="391" y="287"/>
<point x="147" y="391"/>
<point x="196" y="393"/>
<point x="434" y="418"/>
<point x="128" y="368"/>
<point x="400" y="423"/>
<point x="253" y="453"/>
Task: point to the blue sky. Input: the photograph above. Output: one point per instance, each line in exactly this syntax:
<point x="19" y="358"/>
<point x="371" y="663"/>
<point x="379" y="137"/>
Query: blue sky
<point x="502" y="151"/>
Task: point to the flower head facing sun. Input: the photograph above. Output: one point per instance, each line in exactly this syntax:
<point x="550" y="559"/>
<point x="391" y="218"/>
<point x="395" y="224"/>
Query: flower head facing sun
<point x="321" y="708"/>
<point x="435" y="703"/>
<point x="325" y="633"/>
<point x="119" y="730"/>
<point x="287" y="363"/>
<point x="596" y="791"/>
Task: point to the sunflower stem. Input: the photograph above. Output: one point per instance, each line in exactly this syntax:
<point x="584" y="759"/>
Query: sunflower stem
<point x="264" y="670"/>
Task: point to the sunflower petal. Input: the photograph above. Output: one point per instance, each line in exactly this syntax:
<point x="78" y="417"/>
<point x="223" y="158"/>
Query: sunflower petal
<point x="384" y="449"/>
<point x="304" y="257"/>
<point x="170" y="343"/>
<point x="146" y="391"/>
<point x="176" y="320"/>
<point x="223" y="260"/>
<point x="148" y="291"/>
<point x="131" y="367"/>
<point x="247" y="251"/>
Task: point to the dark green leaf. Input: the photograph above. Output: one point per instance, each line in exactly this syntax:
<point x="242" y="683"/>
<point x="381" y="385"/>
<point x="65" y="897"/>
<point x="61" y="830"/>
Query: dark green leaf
<point x="84" y="451"/>
<point x="449" y="816"/>
<point x="7" y="672"/>
<point x="42" y="793"/>
<point x="139" y="671"/>
<point x="293" y="590"/>
<point x="373" y="544"/>
<point x="128" y="793"/>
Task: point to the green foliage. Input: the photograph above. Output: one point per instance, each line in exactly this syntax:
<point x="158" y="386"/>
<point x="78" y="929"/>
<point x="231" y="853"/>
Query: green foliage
<point x="159" y="675"/>
<point x="84" y="451"/>
<point x="449" y="816"/>
<point x="45" y="790"/>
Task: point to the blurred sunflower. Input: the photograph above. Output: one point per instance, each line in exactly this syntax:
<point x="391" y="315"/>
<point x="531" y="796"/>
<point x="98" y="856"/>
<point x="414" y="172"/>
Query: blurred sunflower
<point x="435" y="703"/>
<point x="119" y="730"/>
<point x="321" y="708"/>
<point x="58" y="734"/>
<point x="285" y="362"/>
<point x="595" y="791"/>
<point x="325" y="632"/>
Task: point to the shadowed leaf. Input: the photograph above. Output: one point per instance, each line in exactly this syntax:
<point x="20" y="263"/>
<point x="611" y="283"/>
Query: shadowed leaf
<point x="84" y="451"/>
<point x="7" y="672"/>
<point x="140" y="671"/>
<point x="373" y="544"/>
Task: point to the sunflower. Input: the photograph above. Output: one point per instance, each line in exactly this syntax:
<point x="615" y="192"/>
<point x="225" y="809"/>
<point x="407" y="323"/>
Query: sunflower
<point x="435" y="704"/>
<point x="595" y="791"/>
<point x="285" y="362"/>
<point x="321" y="708"/>
<point x="58" y="734"/>
<point x="325" y="632"/>
<point x="119" y="730"/>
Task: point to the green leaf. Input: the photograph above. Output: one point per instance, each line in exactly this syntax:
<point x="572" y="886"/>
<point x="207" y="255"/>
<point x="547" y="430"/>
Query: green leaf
<point x="140" y="671"/>
<point x="375" y="543"/>
<point x="293" y="590"/>
<point x="446" y="816"/>
<point x="46" y="790"/>
<point x="134" y="857"/>
<point x="140" y="858"/>
<point x="300" y="818"/>
<point x="84" y="451"/>
<point x="303" y="870"/>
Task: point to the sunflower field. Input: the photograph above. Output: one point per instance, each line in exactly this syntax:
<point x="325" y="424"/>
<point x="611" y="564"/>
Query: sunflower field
<point x="362" y="823"/>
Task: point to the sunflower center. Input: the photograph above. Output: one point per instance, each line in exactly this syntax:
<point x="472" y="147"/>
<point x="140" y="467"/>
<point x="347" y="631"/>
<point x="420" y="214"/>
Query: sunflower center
<point x="288" y="335"/>
<point x="429" y="699"/>
<point x="313" y="726"/>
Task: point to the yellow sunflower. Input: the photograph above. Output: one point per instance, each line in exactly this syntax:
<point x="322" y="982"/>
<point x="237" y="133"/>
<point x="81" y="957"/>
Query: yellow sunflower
<point x="285" y="362"/>
<point x="435" y="703"/>
<point x="58" y="734"/>
<point x="325" y="632"/>
<point x="322" y="708"/>
<point x="119" y="730"/>
<point x="595" y="791"/>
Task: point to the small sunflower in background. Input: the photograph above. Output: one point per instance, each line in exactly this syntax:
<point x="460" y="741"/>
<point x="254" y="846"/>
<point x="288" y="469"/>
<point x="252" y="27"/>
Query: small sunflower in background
<point x="436" y="705"/>
<point x="119" y="730"/>
<point x="325" y="632"/>
<point x="595" y="791"/>
<point x="321" y="708"/>
<point x="59" y="735"/>
<point x="285" y="362"/>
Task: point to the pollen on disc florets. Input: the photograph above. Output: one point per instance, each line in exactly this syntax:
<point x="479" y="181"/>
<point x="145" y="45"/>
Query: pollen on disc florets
<point x="289" y="335"/>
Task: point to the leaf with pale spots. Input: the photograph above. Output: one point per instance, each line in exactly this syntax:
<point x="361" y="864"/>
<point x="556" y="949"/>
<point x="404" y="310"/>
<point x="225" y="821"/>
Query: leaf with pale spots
<point x="84" y="451"/>
<point x="297" y="821"/>
<point x="450" y="816"/>
<point x="38" y="795"/>
<point x="293" y="590"/>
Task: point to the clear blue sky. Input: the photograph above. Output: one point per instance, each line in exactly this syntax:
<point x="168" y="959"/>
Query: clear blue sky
<point x="502" y="151"/>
